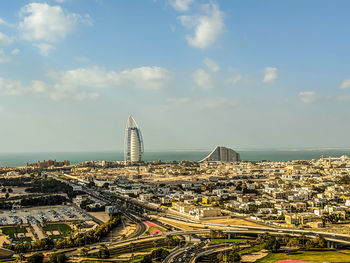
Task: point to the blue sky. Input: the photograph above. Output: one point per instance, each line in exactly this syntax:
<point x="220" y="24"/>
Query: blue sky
<point x="194" y="74"/>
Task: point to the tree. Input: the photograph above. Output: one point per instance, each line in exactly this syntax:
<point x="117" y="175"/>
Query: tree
<point x="10" y="190"/>
<point x="321" y="242"/>
<point x="84" y="251"/>
<point x="272" y="244"/>
<point x="220" y="257"/>
<point x="234" y="257"/>
<point x="293" y="242"/>
<point x="147" y="259"/>
<point x="36" y="258"/>
<point x="58" y="258"/>
<point x="7" y="195"/>
<point x="103" y="252"/>
<point x="309" y="245"/>
<point x="3" y="190"/>
<point x="345" y="179"/>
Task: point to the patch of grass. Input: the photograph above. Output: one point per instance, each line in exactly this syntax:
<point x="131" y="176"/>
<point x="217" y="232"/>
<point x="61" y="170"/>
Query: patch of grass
<point x="222" y="240"/>
<point x="152" y="228"/>
<point x="250" y="250"/>
<point x="62" y="228"/>
<point x="310" y="256"/>
<point x="11" y="230"/>
<point x="137" y="258"/>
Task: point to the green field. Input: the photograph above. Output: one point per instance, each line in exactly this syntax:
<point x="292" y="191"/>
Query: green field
<point x="250" y="250"/>
<point x="11" y="230"/>
<point x="62" y="228"/>
<point x="222" y="240"/>
<point x="310" y="256"/>
<point x="152" y="228"/>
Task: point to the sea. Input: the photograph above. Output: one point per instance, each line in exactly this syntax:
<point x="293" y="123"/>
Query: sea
<point x="21" y="159"/>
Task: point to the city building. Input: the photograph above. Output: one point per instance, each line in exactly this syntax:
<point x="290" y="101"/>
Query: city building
<point x="222" y="154"/>
<point x="133" y="142"/>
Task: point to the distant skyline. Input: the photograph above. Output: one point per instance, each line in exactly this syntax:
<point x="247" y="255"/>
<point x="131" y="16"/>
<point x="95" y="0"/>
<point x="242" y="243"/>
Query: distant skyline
<point x="194" y="73"/>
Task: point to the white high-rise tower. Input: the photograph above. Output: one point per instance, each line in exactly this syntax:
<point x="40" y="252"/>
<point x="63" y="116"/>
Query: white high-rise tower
<point x="133" y="142"/>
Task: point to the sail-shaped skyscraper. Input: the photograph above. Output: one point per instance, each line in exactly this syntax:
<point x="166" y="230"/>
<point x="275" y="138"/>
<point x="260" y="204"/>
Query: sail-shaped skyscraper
<point x="133" y="142"/>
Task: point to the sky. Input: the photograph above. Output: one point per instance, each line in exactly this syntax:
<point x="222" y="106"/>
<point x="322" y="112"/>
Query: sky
<point x="247" y="74"/>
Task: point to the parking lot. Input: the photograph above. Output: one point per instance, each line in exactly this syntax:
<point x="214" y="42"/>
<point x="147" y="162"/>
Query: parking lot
<point x="41" y="216"/>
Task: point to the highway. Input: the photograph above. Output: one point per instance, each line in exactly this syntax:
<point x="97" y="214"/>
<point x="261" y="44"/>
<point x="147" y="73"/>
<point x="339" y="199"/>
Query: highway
<point x="184" y="254"/>
<point x="138" y="212"/>
<point x="344" y="239"/>
<point x="123" y="203"/>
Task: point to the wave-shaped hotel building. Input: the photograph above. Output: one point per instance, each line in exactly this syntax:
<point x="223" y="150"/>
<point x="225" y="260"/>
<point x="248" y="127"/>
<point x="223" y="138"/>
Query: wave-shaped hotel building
<point x="133" y="142"/>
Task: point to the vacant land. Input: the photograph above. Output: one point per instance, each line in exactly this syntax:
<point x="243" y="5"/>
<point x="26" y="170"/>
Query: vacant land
<point x="310" y="256"/>
<point x="254" y="256"/>
<point x="177" y="224"/>
<point x="100" y="215"/>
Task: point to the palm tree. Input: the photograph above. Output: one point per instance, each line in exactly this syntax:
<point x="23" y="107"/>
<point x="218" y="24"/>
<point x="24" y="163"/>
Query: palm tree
<point x="21" y="257"/>
<point x="169" y="240"/>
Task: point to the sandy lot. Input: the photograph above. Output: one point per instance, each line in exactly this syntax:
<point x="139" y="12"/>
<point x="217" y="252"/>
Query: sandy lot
<point x="254" y="256"/>
<point x="100" y="215"/>
<point x="16" y="191"/>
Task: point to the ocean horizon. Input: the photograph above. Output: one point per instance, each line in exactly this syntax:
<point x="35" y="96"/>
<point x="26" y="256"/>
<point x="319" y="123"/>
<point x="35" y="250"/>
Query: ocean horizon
<point x="21" y="159"/>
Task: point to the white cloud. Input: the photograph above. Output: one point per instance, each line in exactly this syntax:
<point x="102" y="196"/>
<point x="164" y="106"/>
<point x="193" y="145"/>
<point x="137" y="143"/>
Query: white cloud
<point x="203" y="79"/>
<point x="308" y="96"/>
<point x="270" y="75"/>
<point x="82" y="83"/>
<point x="3" y="57"/>
<point x="207" y="27"/>
<point x="11" y="87"/>
<point x="233" y="80"/>
<point x="141" y="78"/>
<point x="211" y="65"/>
<point x="15" y="51"/>
<point x="45" y="48"/>
<point x="5" y="40"/>
<point x="345" y="84"/>
<point x="181" y="5"/>
<point x="52" y="91"/>
<point x="42" y="22"/>
<point x="4" y="23"/>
